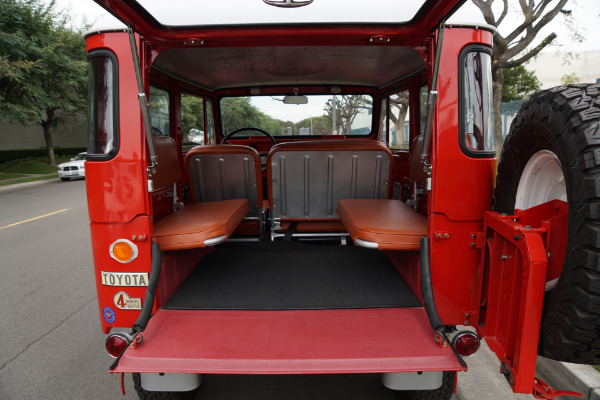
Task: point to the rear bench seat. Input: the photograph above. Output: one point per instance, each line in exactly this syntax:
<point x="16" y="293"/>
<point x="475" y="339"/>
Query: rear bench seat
<point x="307" y="179"/>
<point x="224" y="172"/>
<point x="197" y="224"/>
<point x="384" y="224"/>
<point x="387" y="224"/>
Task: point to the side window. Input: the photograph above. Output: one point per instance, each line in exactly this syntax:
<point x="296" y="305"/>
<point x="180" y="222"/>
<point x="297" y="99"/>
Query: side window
<point x="210" y="124"/>
<point x="423" y="96"/>
<point x="103" y="139"/>
<point x="399" y="132"/>
<point x="476" y="111"/>
<point x="159" y="112"/>
<point x="192" y="120"/>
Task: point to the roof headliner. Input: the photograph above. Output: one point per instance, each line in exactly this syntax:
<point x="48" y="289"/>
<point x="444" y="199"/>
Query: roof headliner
<point x="220" y="68"/>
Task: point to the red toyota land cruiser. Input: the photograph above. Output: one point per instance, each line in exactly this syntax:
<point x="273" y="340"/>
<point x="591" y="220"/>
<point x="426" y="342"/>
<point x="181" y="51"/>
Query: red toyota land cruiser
<point x="307" y="187"/>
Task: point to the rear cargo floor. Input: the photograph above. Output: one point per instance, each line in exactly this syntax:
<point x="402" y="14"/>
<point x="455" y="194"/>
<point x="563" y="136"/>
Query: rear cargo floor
<point x="285" y="275"/>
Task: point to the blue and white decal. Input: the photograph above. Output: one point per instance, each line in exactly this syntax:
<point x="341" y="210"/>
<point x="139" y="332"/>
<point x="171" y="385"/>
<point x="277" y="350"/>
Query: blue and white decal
<point x="109" y="315"/>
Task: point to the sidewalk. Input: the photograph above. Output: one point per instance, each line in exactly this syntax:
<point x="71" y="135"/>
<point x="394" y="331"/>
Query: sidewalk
<point x="17" y="183"/>
<point x="572" y="377"/>
<point x="484" y="381"/>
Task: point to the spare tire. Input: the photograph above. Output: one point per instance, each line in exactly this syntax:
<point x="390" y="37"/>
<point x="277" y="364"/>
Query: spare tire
<point x="553" y="152"/>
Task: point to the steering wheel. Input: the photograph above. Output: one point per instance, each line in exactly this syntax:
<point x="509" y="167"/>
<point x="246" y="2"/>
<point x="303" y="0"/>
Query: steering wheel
<point x="263" y="157"/>
<point x="235" y="132"/>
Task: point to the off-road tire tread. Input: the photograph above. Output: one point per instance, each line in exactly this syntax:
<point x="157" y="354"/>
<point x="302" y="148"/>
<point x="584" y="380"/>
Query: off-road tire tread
<point x="565" y="120"/>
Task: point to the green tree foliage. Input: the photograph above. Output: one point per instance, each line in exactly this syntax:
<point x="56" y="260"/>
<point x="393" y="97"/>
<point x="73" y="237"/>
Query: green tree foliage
<point x="42" y="66"/>
<point x="320" y="125"/>
<point x="238" y="112"/>
<point x="569" y="79"/>
<point x="192" y="113"/>
<point x="519" y="83"/>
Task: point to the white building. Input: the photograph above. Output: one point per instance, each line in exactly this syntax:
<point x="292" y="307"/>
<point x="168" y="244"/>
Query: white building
<point x="550" y="68"/>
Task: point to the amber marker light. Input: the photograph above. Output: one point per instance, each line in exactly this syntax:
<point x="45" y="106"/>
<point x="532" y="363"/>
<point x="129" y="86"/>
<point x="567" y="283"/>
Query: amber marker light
<point x="123" y="250"/>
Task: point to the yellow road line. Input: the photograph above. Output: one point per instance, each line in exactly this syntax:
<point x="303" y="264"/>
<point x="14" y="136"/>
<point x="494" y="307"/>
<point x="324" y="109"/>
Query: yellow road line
<point x="33" y="219"/>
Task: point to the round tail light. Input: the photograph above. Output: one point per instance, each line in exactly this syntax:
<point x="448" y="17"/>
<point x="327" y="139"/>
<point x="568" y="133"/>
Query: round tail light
<point x="466" y="343"/>
<point x="116" y="343"/>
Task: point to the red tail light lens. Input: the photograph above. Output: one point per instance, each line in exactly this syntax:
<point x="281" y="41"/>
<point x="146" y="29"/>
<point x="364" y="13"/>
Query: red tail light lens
<point x="466" y="343"/>
<point x="116" y="343"/>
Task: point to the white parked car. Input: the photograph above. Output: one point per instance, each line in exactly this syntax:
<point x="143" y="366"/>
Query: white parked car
<point x="72" y="169"/>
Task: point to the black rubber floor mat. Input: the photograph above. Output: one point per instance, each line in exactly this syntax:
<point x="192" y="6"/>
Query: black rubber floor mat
<point x="287" y="275"/>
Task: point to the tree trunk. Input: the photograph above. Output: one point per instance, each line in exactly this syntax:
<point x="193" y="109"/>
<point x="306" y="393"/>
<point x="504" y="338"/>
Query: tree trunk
<point x="399" y="125"/>
<point x="498" y="83"/>
<point x="48" y="136"/>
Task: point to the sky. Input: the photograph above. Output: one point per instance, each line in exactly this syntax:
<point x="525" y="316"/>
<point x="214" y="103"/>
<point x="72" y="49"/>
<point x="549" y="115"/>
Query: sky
<point x="586" y="13"/>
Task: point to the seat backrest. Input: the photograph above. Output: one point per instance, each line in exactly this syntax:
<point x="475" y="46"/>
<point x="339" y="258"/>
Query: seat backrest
<point x="307" y="179"/>
<point x="167" y="171"/>
<point x="225" y="172"/>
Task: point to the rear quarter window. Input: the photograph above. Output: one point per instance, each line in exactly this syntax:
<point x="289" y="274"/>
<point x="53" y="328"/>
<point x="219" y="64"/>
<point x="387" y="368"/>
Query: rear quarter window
<point x="103" y="135"/>
<point x="475" y="102"/>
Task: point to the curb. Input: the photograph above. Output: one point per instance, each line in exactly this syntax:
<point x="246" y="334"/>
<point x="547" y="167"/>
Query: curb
<point x="16" y="186"/>
<point x="572" y="377"/>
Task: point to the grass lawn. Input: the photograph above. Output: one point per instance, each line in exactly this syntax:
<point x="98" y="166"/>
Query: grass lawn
<point x="23" y="180"/>
<point x="4" y="176"/>
<point x="31" y="166"/>
<point x="24" y="168"/>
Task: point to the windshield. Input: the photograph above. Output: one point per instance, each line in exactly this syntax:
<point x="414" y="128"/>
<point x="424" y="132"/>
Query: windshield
<point x="80" y="156"/>
<point x="350" y="114"/>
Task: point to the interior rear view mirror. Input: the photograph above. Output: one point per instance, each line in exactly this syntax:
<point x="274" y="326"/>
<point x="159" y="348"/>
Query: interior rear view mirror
<point x="295" y="99"/>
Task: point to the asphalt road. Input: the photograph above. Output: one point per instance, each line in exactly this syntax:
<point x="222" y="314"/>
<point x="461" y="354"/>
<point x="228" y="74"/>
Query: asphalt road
<point x="51" y="345"/>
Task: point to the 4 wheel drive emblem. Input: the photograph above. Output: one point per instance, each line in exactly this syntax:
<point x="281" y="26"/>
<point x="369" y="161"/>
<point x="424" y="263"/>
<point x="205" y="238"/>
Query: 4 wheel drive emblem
<point x="125" y="302"/>
<point x="288" y="3"/>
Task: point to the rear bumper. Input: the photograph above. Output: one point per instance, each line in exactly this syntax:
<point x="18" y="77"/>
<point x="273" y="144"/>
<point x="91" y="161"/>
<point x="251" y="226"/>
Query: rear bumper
<point x="289" y="342"/>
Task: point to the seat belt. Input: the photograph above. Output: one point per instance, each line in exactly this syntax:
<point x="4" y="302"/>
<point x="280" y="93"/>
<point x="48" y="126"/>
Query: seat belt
<point x="289" y="232"/>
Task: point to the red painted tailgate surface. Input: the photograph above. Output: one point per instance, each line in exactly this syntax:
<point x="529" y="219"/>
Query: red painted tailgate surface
<point x="288" y="342"/>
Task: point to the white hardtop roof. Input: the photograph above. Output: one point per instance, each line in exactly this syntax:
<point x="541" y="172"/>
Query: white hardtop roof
<point x="105" y="23"/>
<point x="177" y="14"/>
<point x="239" y="12"/>
<point x="258" y="12"/>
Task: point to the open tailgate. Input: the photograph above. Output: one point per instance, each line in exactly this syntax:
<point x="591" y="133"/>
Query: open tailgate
<point x="289" y="342"/>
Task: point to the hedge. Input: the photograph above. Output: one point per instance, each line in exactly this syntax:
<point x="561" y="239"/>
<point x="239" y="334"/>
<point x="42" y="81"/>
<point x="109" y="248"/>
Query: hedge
<point x="11" y="155"/>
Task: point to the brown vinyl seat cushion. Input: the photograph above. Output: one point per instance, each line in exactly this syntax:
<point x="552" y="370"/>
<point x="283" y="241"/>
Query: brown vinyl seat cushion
<point x="196" y="223"/>
<point x="388" y="223"/>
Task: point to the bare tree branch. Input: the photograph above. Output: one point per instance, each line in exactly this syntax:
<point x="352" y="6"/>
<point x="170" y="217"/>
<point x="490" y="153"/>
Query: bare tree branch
<point x="486" y="10"/>
<point x="529" y="55"/>
<point x="532" y="29"/>
<point x="488" y="15"/>
<point x="504" y="12"/>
